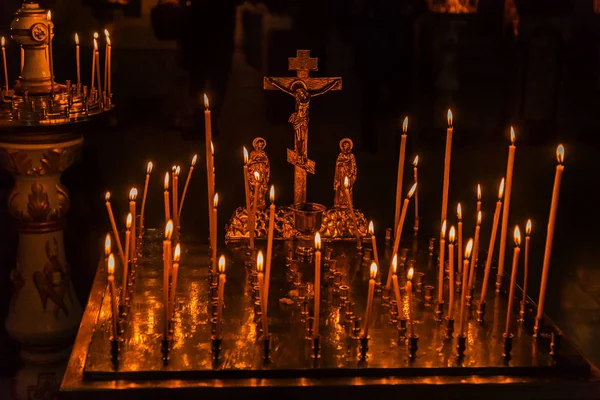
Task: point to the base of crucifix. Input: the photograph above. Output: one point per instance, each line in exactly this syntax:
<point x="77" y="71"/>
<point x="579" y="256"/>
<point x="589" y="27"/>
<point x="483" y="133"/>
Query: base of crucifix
<point x="337" y="225"/>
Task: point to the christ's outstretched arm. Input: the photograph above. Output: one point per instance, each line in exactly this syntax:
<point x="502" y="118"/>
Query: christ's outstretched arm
<point x="280" y="87"/>
<point x="325" y="88"/>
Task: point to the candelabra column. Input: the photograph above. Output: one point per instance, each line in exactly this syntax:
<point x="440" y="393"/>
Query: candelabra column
<point x="44" y="312"/>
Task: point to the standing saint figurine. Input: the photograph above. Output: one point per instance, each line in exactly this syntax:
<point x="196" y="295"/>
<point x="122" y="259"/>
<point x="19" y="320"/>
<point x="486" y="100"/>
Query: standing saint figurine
<point x="345" y="166"/>
<point x="259" y="162"/>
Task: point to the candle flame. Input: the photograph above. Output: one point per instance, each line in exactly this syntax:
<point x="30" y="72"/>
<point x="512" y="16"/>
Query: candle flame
<point x="95" y="35"/>
<point x="106" y="33"/>
<point x="416" y="161"/>
<point x="371" y="229"/>
<point x="479" y="218"/>
<point x="132" y="194"/>
<point x="478" y="192"/>
<point x="212" y="148"/>
<point x="177" y="170"/>
<point x="512" y="136"/>
<point x="450" y="118"/>
<point x="169" y="230"/>
<point x="412" y="191"/>
<point x="108" y="41"/>
<point x="111" y="264"/>
<point x="216" y="200"/>
<point x="318" y="241"/>
<point x="517" y="236"/>
<point x="166" y="181"/>
<point x="459" y="212"/>
<point x="272" y="194"/>
<point x="206" y="104"/>
<point x="259" y="261"/>
<point x="107" y="196"/>
<point x="501" y="190"/>
<point x="256" y="176"/>
<point x="410" y="274"/>
<point x="149" y="167"/>
<point x="405" y="125"/>
<point x="173" y="167"/>
<point x="346" y="182"/>
<point x="49" y="16"/>
<point x="373" y="271"/>
<point x="528" y="228"/>
<point x="129" y="221"/>
<point x="245" y="155"/>
<point x="194" y="159"/>
<point x="177" y="253"/>
<point x="394" y="263"/>
<point x="452" y="234"/>
<point x="468" y="249"/>
<point x="560" y="153"/>
<point x="444" y="229"/>
<point x="107" y="245"/>
<point x="76" y="39"/>
<point x="2" y="41"/>
<point x="95" y="44"/>
<point x="222" y="264"/>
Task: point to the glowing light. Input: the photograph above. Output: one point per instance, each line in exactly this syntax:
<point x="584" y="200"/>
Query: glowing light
<point x="528" y="228"/>
<point x="346" y="182"/>
<point x="212" y="148"/>
<point x="412" y="191"/>
<point x="245" y="156"/>
<point x="444" y="229"/>
<point x="459" y="212"/>
<point x="166" y="181"/>
<point x="194" y="159"/>
<point x="416" y="161"/>
<point x="106" y="33"/>
<point x="111" y="264"/>
<point x="76" y="39"/>
<point x="129" y="221"/>
<point x="177" y="170"/>
<point x="560" y="154"/>
<point x="272" y="194"/>
<point x="49" y="16"/>
<point x="133" y="194"/>
<point x="177" y="253"/>
<point x="206" y="104"/>
<point x="405" y="125"/>
<point x="478" y="192"/>
<point x="517" y="236"/>
<point x="479" y="218"/>
<point x="222" y="264"/>
<point x="371" y="228"/>
<point x="149" y="167"/>
<point x="107" y="245"/>
<point x="318" y="241"/>
<point x="395" y="263"/>
<point x="256" y="176"/>
<point x="95" y="35"/>
<point x="410" y="274"/>
<point x="468" y="249"/>
<point x="450" y="118"/>
<point x="373" y="270"/>
<point x="452" y="234"/>
<point x="95" y="44"/>
<point x="169" y="230"/>
<point x="107" y="196"/>
<point x="501" y="190"/>
<point x="259" y="261"/>
<point x="512" y="135"/>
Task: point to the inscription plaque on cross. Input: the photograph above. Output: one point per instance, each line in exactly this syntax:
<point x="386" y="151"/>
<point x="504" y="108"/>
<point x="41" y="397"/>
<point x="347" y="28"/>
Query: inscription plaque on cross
<point x="302" y="87"/>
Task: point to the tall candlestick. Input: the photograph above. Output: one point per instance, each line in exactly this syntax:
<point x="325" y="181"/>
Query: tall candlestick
<point x="175" y="172"/>
<point x="248" y="201"/>
<point x="416" y="178"/>
<point x="106" y="57"/>
<point x="447" y="157"/>
<point x="270" y="241"/>
<point x="113" y="296"/>
<point x="400" y="172"/>
<point x="463" y="297"/>
<point x="94" y="63"/>
<point x="460" y="240"/>
<point x="371" y="292"/>
<point x="167" y="259"/>
<point x="50" y="52"/>
<point x="98" y="70"/>
<point x="395" y="282"/>
<point x="399" y="231"/>
<point x="513" y="279"/>
<point x="411" y="306"/>
<point x="220" y="297"/>
<point x="187" y="183"/>
<point x="261" y="288"/>
<point x="560" y="156"/>
<point x="506" y="208"/>
<point x="113" y="225"/>
<point x="144" y="196"/>
<point x="478" y="199"/>
<point x="351" y="209"/>
<point x="475" y="252"/>
<point x="133" y="211"/>
<point x="174" y="274"/>
<point x="77" y="61"/>
<point x="209" y="156"/>
<point x="166" y="198"/>
<point x="3" y="42"/>
<point x="127" y="257"/>
<point x="440" y="297"/>
<point x="213" y="234"/>
<point x="451" y="237"/>
<point x="317" y="297"/>
<point x="526" y="263"/>
<point x="109" y="64"/>
<point x="488" y="262"/>
<point x="254" y="208"/>
<point x="373" y="242"/>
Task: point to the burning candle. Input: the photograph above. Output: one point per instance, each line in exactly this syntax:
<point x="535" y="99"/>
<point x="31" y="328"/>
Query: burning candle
<point x="474" y="253"/>
<point x="127" y="257"/>
<point x="50" y="52"/>
<point x="317" y="306"/>
<point x="270" y="241"/>
<point x="440" y="298"/>
<point x="107" y="247"/>
<point x="463" y="297"/>
<point x="254" y="208"/>
<point x="98" y="70"/>
<point x="448" y="155"/>
<point x="106" y="59"/>
<point x="371" y="292"/>
<point x="213" y="234"/>
<point x="209" y="155"/>
<point x="166" y="197"/>
<point x="94" y="62"/>
<point x="77" y="61"/>
<point x="175" y="172"/>
<point x="488" y="262"/>
<point x="351" y="209"/>
<point x="560" y="156"/>
<point x="400" y="172"/>
<point x="174" y="274"/>
<point x="460" y="240"/>
<point x="261" y="288"/>
<point x="395" y="282"/>
<point x="416" y="178"/>
<point x="506" y="209"/>
<point x="133" y="211"/>
<point x="373" y="242"/>
<point x="513" y="278"/>
<point x="411" y="306"/>
<point x="3" y="43"/>
<point x="144" y="196"/>
<point x="451" y="238"/>
<point x="111" y="217"/>
<point x="167" y="258"/>
<point x="220" y="297"/>
<point x="246" y="184"/>
<point x="187" y="183"/>
<point x="399" y="231"/>
<point x="526" y="263"/>
<point x="109" y="63"/>
<point x="478" y="198"/>
<point x="113" y="296"/>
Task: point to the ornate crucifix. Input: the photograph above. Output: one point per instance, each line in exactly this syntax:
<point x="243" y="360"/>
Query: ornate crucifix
<point x="302" y="87"/>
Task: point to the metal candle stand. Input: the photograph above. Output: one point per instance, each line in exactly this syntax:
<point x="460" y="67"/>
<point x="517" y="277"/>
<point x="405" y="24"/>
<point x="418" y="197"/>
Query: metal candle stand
<point x="428" y="296"/>
<point x="364" y="348"/>
<point x="115" y="348"/>
<point x="439" y="311"/>
<point x="462" y="345"/>
<point x="165" y="348"/>
<point x="413" y="342"/>
<point x="316" y="347"/>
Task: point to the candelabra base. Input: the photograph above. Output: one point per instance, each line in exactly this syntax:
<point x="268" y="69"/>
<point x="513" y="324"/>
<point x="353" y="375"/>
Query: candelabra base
<point x="316" y="347"/>
<point x="165" y="348"/>
<point x="462" y="345"/>
<point x="449" y="327"/>
<point x="507" y="345"/>
<point x="469" y="296"/>
<point x="115" y="349"/>
<point x="439" y="311"/>
<point x="364" y="348"/>
<point x="413" y="342"/>
<point x="481" y="312"/>
<point x="428" y="297"/>
<point x="356" y="327"/>
<point x="401" y="330"/>
<point x="266" y="348"/>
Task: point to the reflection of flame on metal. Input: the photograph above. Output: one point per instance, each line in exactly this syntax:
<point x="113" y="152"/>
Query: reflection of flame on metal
<point x="453" y="6"/>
